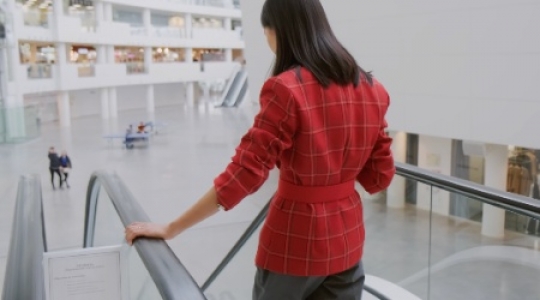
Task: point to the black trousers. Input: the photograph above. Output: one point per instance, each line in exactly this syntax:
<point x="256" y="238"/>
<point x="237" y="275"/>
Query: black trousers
<point x="57" y="171"/>
<point x="347" y="285"/>
<point x="66" y="174"/>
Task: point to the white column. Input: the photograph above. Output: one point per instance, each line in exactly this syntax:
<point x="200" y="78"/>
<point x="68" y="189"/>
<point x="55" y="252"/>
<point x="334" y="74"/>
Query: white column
<point x="190" y="94"/>
<point x="98" y="10"/>
<point x="228" y="55"/>
<point x="147" y="20"/>
<point x="104" y="96"/>
<point x="395" y="194"/>
<point x="148" y="59"/>
<point x="113" y="103"/>
<point x="188" y="19"/>
<point x="108" y="12"/>
<point x="61" y="54"/>
<point x="189" y="55"/>
<point x="496" y="167"/>
<point x="110" y="54"/>
<point x="227" y="24"/>
<point x="61" y="62"/>
<point x="101" y="54"/>
<point x="64" y="110"/>
<point x="58" y="13"/>
<point x="150" y="103"/>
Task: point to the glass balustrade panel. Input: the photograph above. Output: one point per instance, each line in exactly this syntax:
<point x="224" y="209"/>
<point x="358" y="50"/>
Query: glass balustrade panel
<point x="236" y="280"/>
<point x="473" y="255"/>
<point x="397" y="239"/>
<point x="109" y="231"/>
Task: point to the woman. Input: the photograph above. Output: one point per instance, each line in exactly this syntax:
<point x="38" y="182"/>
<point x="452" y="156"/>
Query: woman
<point x="322" y="123"/>
<point x="65" y="166"/>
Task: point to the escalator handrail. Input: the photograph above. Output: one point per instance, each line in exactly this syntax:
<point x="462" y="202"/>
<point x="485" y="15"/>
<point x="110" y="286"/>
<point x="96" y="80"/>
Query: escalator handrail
<point x="24" y="272"/>
<point x="169" y="275"/>
<point x="508" y="201"/>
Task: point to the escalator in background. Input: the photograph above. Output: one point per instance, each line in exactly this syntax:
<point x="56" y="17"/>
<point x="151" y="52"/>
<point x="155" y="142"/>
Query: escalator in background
<point x="236" y="89"/>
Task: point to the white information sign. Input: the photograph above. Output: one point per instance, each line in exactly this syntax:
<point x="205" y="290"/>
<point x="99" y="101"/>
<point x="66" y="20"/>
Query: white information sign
<point x="86" y="274"/>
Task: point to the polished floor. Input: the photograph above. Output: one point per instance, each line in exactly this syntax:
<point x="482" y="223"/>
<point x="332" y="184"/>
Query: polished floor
<point x="178" y="166"/>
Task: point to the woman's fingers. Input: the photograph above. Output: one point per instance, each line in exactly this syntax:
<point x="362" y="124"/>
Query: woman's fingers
<point x="139" y="229"/>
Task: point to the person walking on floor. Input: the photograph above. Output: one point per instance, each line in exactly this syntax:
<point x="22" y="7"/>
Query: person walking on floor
<point x="54" y="167"/>
<point x="322" y="123"/>
<point x="65" y="166"/>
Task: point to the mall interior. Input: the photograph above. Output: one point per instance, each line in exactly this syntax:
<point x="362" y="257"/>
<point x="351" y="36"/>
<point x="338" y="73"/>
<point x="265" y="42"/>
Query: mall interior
<point x="461" y="219"/>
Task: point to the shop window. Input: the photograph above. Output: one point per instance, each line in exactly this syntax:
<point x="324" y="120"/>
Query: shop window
<point x="82" y="54"/>
<point x="164" y="54"/>
<point x="37" y="53"/>
<point x="522" y="179"/>
<point x="208" y="55"/>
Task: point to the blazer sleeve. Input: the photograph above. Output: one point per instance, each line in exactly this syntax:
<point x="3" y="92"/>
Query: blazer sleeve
<point x="379" y="169"/>
<point x="259" y="149"/>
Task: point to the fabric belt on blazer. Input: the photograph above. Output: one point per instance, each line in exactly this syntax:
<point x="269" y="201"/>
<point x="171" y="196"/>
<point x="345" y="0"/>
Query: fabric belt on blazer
<point x="315" y="194"/>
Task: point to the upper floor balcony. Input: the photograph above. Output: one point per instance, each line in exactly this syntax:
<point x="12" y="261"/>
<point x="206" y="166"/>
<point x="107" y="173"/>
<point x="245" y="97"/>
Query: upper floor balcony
<point x="127" y="28"/>
<point x="42" y="78"/>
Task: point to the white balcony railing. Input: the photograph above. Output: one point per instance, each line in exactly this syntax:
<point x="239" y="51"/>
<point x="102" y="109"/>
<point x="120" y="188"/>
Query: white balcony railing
<point x="214" y="3"/>
<point x="135" y="68"/>
<point x="39" y="71"/>
<point x="36" y="18"/>
<point x="138" y="31"/>
<point x="169" y="32"/>
<point x="88" y="70"/>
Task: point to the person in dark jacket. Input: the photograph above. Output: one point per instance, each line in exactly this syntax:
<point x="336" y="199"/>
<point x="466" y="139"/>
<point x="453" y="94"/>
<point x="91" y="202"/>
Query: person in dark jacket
<point x="65" y="166"/>
<point x="54" y="166"/>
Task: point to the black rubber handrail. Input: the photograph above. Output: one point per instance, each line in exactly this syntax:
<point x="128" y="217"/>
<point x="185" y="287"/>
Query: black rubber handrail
<point x="512" y="202"/>
<point x="169" y="275"/>
<point x="24" y="272"/>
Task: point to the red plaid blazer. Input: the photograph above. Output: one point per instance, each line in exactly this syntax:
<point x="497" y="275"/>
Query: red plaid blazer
<point x="317" y="137"/>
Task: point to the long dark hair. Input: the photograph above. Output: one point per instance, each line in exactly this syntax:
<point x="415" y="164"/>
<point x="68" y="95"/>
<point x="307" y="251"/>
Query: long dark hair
<point x="304" y="38"/>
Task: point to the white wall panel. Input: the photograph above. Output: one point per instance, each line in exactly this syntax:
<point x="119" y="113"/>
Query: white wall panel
<point x="457" y="69"/>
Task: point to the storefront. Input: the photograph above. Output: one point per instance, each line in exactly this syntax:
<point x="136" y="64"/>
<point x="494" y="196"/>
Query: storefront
<point x="168" y="54"/>
<point x="133" y="57"/>
<point x="208" y="55"/>
<point x="82" y="54"/>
